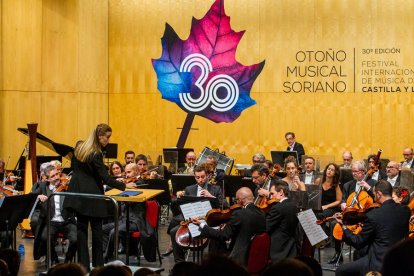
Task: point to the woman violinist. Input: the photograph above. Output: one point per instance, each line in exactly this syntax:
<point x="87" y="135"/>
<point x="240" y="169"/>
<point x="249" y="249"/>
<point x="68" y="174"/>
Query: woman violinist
<point x="89" y="176"/>
<point x="292" y="176"/>
<point x="116" y="169"/>
<point x="377" y="174"/>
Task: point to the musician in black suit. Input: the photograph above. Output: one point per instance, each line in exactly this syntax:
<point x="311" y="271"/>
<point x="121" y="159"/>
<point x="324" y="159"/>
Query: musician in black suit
<point x="58" y="223"/>
<point x="202" y="189"/>
<point x="137" y="222"/>
<point x="89" y="176"/>
<point x="408" y="162"/>
<point x="358" y="184"/>
<point x="242" y="226"/>
<point x="281" y="223"/>
<point x="294" y="146"/>
<point x="215" y="175"/>
<point x="393" y="173"/>
<point x="383" y="227"/>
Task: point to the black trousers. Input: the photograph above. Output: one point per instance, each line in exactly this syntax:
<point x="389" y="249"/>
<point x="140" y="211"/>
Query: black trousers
<point x="97" y="240"/>
<point x="69" y="231"/>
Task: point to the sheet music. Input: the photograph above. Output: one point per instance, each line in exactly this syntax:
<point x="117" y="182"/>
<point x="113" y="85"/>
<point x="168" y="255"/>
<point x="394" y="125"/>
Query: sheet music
<point x="195" y="209"/>
<point x="313" y="231"/>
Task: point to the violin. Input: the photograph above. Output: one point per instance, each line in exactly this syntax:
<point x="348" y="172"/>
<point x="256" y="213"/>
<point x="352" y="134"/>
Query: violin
<point x="268" y="205"/>
<point x="216" y="217"/>
<point x="62" y="187"/>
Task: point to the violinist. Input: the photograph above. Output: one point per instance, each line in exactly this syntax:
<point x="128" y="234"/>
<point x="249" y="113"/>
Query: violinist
<point x="383" y="227"/>
<point x="190" y="159"/>
<point x="393" y="173"/>
<point x="242" y="226"/>
<point x="60" y="222"/>
<point x="143" y="174"/>
<point x="281" y="223"/>
<point x="292" y="177"/>
<point x="378" y="172"/>
<point x="116" y="169"/>
<point x="201" y="189"/>
<point x="260" y="177"/>
<point x="137" y="220"/>
<point x="129" y="157"/>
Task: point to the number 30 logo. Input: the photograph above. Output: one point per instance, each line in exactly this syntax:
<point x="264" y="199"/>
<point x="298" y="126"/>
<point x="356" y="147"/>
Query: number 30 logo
<point x="209" y="96"/>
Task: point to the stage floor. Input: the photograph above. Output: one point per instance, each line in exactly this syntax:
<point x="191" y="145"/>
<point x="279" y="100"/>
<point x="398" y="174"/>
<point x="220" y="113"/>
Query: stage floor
<point x="30" y="267"/>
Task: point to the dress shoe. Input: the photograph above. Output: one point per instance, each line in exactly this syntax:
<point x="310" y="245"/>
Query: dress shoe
<point x="337" y="258"/>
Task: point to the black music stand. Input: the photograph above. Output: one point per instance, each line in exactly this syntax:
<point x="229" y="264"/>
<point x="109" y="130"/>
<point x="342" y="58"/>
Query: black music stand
<point x="300" y="198"/>
<point x="232" y="183"/>
<point x="345" y="175"/>
<point x="279" y="156"/>
<point x="180" y="181"/>
<point x="13" y="209"/>
<point x="314" y="197"/>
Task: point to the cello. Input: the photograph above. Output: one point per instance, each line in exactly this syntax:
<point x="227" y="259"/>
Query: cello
<point x="356" y="204"/>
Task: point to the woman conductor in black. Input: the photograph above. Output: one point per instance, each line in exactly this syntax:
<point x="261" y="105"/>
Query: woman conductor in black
<point x="89" y="176"/>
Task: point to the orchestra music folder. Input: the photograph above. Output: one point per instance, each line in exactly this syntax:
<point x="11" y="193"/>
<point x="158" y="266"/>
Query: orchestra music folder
<point x="195" y="209"/>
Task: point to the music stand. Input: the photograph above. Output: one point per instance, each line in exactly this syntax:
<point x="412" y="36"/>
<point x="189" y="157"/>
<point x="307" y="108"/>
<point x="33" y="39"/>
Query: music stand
<point x="13" y="209"/>
<point x="180" y="181"/>
<point x="314" y="197"/>
<point x="232" y="183"/>
<point x="300" y="198"/>
<point x="110" y="151"/>
<point x="279" y="156"/>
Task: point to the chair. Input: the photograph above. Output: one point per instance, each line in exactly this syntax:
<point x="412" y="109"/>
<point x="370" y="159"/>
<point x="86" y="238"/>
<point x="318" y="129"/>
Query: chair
<point x="258" y="253"/>
<point x="153" y="217"/>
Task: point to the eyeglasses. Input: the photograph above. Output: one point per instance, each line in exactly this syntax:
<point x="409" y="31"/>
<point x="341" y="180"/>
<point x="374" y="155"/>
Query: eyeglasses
<point x="256" y="176"/>
<point x="345" y="159"/>
<point x="407" y="154"/>
<point x="391" y="167"/>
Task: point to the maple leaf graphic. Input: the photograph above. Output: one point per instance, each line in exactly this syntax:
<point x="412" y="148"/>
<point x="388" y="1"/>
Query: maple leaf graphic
<point x="213" y="38"/>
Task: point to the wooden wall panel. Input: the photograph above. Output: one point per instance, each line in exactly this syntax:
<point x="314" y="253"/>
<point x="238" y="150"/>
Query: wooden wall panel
<point x="21" y="43"/>
<point x="60" y="38"/>
<point x="93" y="46"/>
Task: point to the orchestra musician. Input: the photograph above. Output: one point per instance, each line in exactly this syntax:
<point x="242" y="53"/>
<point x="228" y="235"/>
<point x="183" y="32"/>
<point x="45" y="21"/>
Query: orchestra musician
<point x="116" y="169"/>
<point x="190" y="159"/>
<point x="129" y="157"/>
<point x="393" y="173"/>
<point x="216" y="175"/>
<point x="309" y="175"/>
<point x="281" y="223"/>
<point x="142" y="163"/>
<point x="383" y="227"/>
<point x="242" y="226"/>
<point x="60" y="222"/>
<point x="137" y="221"/>
<point x="201" y="189"/>
<point x="347" y="158"/>
<point x="378" y="174"/>
<point x="331" y="191"/>
<point x="408" y="154"/>
<point x="294" y="146"/>
<point x="401" y="195"/>
<point x="359" y="183"/>
<point x="292" y="177"/>
<point x="260" y="177"/>
<point x="89" y="176"/>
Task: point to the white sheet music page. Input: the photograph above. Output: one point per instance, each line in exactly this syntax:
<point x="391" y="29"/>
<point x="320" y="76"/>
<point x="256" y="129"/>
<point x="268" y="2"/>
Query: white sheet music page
<point x="195" y="209"/>
<point x="313" y="231"/>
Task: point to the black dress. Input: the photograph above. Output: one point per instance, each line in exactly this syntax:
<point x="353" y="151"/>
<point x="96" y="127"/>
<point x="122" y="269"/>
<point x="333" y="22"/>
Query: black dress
<point x="328" y="196"/>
